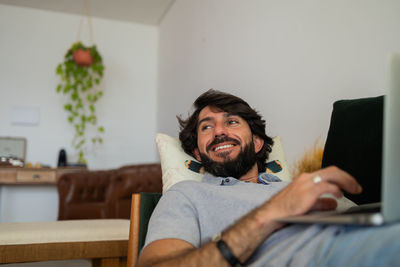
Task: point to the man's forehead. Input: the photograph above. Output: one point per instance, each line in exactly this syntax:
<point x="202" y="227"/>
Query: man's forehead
<point x="209" y="110"/>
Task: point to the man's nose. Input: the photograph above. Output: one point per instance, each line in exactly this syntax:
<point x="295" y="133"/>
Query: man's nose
<point x="220" y="129"/>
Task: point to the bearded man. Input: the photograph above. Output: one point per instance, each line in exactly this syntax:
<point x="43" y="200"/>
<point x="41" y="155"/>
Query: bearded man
<point x="230" y="218"/>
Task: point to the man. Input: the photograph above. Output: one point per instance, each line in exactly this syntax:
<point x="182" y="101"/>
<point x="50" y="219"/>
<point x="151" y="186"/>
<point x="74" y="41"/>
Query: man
<point x="230" y="217"/>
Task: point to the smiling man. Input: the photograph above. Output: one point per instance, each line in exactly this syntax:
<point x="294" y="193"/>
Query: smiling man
<point x="230" y="218"/>
<point x="225" y="145"/>
<point x="227" y="136"/>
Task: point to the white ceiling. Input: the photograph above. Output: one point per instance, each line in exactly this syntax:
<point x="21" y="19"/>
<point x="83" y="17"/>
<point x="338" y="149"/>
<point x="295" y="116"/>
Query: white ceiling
<point x="138" y="11"/>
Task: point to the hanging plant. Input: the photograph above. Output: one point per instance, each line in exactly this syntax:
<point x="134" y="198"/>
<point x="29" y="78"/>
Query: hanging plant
<point x="81" y="74"/>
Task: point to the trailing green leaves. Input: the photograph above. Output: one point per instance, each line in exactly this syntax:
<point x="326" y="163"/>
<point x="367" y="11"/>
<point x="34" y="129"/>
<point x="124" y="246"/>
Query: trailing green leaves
<point x="81" y="86"/>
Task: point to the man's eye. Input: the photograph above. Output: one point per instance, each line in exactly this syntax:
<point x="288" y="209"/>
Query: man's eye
<point x="205" y="127"/>
<point x="231" y="122"/>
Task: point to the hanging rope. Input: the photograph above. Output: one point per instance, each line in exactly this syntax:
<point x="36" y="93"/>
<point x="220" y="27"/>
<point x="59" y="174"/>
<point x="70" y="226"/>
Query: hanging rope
<point x="85" y="13"/>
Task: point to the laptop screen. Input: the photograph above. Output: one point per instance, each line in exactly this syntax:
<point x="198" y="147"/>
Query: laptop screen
<point x="391" y="144"/>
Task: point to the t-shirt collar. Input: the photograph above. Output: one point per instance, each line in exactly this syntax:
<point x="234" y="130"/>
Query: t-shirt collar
<point x="263" y="178"/>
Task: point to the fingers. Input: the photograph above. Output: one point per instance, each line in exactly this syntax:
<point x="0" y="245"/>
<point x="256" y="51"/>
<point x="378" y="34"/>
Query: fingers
<point x="323" y="188"/>
<point x="340" y="178"/>
<point x="325" y="204"/>
<point x="304" y="192"/>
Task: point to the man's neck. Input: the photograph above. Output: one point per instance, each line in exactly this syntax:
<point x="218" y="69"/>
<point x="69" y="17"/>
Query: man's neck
<point x="251" y="176"/>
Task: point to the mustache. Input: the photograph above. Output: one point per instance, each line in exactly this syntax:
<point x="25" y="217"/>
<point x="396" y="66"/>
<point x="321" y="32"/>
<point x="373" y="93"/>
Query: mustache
<point x="221" y="139"/>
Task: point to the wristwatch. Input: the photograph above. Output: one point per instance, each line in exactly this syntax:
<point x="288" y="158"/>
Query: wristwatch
<point x="226" y="251"/>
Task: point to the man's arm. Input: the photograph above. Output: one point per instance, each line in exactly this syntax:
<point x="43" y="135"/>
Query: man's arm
<point x="243" y="238"/>
<point x="299" y="197"/>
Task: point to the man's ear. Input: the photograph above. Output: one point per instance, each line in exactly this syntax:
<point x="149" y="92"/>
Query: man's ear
<point x="196" y="154"/>
<point x="258" y="143"/>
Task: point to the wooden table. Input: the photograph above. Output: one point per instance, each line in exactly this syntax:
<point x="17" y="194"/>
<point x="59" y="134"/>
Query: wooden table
<point x="15" y="175"/>
<point x="103" y="241"/>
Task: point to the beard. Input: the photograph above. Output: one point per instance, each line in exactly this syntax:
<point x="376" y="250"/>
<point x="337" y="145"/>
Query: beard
<point x="236" y="167"/>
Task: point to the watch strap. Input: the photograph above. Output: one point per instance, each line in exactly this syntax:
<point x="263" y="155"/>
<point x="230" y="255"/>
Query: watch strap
<point x="226" y="252"/>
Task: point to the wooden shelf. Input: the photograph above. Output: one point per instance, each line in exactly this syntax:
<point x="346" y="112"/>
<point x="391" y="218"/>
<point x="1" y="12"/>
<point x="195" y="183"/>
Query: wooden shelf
<point x="9" y="175"/>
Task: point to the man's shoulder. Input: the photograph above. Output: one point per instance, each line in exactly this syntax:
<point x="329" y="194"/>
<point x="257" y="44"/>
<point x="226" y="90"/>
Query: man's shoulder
<point x="186" y="185"/>
<point x="191" y="191"/>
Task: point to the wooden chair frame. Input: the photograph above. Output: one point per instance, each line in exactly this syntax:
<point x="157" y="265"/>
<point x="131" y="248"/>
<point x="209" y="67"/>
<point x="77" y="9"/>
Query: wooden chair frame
<point x="133" y="245"/>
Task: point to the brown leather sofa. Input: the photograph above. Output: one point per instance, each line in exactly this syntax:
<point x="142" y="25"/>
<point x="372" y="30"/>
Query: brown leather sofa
<point x="105" y="194"/>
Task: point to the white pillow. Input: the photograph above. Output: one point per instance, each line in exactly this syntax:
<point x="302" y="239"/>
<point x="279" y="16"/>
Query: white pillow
<point x="278" y="154"/>
<point x="173" y="160"/>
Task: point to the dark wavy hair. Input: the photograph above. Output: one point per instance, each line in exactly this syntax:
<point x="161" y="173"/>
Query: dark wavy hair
<point x="227" y="103"/>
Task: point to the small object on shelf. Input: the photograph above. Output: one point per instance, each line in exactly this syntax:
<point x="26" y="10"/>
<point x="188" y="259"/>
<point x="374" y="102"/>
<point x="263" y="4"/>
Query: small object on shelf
<point x="12" y="151"/>
<point x="12" y="162"/>
<point x="62" y="158"/>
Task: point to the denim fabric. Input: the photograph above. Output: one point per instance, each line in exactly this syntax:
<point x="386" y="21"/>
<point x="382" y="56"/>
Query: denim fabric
<point x="361" y="246"/>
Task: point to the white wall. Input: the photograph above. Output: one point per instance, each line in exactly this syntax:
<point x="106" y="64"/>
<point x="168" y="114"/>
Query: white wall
<point x="289" y="59"/>
<point x="32" y="43"/>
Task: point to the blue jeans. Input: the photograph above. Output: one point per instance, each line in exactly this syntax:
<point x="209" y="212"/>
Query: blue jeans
<point x="361" y="246"/>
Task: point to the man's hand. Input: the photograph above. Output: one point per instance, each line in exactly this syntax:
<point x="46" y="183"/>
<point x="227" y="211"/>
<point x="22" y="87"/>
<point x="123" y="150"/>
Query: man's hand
<point x="303" y="194"/>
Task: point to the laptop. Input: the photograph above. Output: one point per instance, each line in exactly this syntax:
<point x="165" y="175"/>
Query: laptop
<point x="388" y="210"/>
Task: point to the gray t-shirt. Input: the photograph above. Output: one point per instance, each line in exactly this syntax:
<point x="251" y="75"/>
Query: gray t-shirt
<point x="197" y="211"/>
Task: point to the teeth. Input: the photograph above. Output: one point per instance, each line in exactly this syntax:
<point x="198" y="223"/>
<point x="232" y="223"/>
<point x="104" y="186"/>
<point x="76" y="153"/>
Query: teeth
<point x="222" y="147"/>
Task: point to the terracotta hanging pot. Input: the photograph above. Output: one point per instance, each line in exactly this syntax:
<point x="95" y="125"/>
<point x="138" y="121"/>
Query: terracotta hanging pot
<point x="82" y="57"/>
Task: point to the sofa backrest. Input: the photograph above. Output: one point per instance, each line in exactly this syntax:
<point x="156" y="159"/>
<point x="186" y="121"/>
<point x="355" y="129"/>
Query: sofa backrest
<point x="138" y="179"/>
<point x="105" y="194"/>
